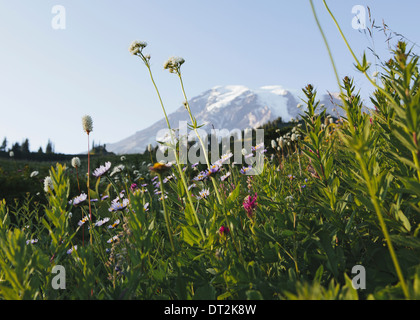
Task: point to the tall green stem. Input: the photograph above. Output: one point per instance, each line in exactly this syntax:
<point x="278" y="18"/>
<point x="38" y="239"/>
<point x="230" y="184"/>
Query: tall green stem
<point x="352" y="53"/>
<point x="181" y="173"/>
<point x="88" y="187"/>
<point x="165" y="211"/>
<point x="199" y="138"/>
<point x="326" y="44"/>
<point x="359" y="156"/>
<point x="382" y="224"/>
<point x="216" y="189"/>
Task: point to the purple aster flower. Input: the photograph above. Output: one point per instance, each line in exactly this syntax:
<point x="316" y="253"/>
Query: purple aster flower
<point x="224" y="177"/>
<point x="203" y="194"/>
<point x="246" y="170"/>
<point x="116" y="205"/>
<point x="102" y="169"/>
<point x="77" y="200"/>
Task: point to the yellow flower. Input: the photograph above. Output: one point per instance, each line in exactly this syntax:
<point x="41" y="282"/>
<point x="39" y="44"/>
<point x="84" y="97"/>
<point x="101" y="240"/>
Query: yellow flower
<point x="159" y="167"/>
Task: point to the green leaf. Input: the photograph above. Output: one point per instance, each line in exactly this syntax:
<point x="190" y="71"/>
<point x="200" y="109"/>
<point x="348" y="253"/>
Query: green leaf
<point x="191" y="235"/>
<point x="404" y="220"/>
<point x="189" y="215"/>
<point x="406" y="241"/>
<point x="254" y="295"/>
<point x="234" y="194"/>
<point x="206" y="292"/>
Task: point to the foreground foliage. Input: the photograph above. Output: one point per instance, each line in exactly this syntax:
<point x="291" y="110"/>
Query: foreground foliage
<point x="333" y="195"/>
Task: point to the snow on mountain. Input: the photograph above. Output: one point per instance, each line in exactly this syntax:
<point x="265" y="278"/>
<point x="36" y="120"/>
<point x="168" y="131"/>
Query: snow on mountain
<point x="225" y="107"/>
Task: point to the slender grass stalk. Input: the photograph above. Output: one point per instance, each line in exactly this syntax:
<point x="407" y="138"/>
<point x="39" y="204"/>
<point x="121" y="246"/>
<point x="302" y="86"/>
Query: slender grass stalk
<point x="88" y="127"/>
<point x="88" y="186"/>
<point x="358" y="155"/>
<point x="382" y="224"/>
<point x="216" y="189"/>
<point x="298" y="154"/>
<point x="166" y="213"/>
<point x="77" y="178"/>
<point x="220" y="199"/>
<point x="326" y="44"/>
<point x="359" y="65"/>
<point x="181" y="173"/>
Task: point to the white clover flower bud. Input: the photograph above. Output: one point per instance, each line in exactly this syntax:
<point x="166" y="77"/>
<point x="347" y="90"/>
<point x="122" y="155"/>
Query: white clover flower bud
<point x="331" y="120"/>
<point x="87" y="124"/>
<point x="11" y="154"/>
<point x="293" y="137"/>
<point x="244" y="152"/>
<point x="48" y="184"/>
<point x="75" y="162"/>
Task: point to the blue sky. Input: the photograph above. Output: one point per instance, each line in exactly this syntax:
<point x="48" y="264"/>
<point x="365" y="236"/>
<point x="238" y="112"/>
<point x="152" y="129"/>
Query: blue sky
<point x="50" y="78"/>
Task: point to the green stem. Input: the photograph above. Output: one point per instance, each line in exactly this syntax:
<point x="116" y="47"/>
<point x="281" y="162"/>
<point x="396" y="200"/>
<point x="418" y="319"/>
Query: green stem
<point x="88" y="187"/>
<point x="359" y="157"/>
<point x="326" y="44"/>
<point x="199" y="138"/>
<point x="181" y="173"/>
<point x="212" y="178"/>
<point x="352" y="53"/>
<point x="166" y="214"/>
<point x="382" y="224"/>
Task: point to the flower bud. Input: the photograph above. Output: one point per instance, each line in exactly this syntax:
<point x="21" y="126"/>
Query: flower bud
<point x="87" y="124"/>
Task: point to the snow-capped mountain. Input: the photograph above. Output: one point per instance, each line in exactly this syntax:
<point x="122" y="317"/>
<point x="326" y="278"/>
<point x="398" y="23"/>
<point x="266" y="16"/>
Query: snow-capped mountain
<point x="226" y="107"/>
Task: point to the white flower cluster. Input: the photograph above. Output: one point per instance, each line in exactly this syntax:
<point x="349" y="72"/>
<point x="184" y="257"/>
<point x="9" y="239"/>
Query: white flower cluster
<point x="173" y="64"/>
<point x="136" y="47"/>
<point x="286" y="139"/>
<point x="48" y="184"/>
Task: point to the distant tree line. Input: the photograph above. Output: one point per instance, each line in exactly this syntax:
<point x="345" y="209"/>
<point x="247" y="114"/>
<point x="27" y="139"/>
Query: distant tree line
<point x="22" y="151"/>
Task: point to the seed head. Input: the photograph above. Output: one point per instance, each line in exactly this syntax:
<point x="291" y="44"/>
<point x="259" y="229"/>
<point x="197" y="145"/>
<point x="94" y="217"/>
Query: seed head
<point x="75" y="162"/>
<point x="87" y="124"/>
<point x="273" y="144"/>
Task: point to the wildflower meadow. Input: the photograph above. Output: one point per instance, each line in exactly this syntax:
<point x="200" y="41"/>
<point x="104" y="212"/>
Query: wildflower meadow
<point x="329" y="209"/>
